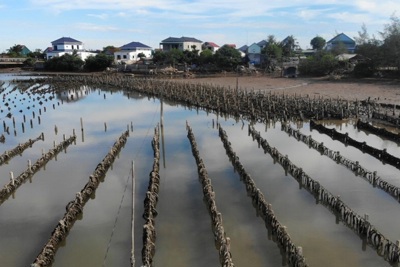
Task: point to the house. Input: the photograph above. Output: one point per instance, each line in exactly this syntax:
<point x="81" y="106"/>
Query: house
<point x="182" y="43"/>
<point x="341" y="39"/>
<point x="67" y="45"/>
<point x="130" y="52"/>
<point x="254" y="54"/>
<point x="243" y="48"/>
<point x="262" y="44"/>
<point x="25" y="50"/>
<point x="210" y="46"/>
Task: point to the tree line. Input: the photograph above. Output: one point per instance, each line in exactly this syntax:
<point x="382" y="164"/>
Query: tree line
<point x="380" y="55"/>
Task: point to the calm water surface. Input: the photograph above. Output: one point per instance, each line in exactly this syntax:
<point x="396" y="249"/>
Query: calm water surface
<point x="102" y="236"/>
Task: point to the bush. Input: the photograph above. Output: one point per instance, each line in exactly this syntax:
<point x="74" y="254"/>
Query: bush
<point x="227" y="58"/>
<point x="320" y="64"/>
<point x="363" y="69"/>
<point x="100" y="62"/>
<point x="64" y="63"/>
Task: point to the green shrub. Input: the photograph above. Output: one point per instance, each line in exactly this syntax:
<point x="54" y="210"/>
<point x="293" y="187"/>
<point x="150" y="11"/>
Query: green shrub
<point x="100" y="62"/>
<point x="363" y="69"/>
<point x="64" y="63"/>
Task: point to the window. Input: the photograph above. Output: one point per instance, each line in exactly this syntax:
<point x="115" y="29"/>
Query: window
<point x="124" y="56"/>
<point x="118" y="56"/>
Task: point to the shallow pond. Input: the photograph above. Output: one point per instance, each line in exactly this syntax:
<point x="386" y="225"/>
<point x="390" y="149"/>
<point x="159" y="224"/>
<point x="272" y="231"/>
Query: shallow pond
<point x="102" y="236"/>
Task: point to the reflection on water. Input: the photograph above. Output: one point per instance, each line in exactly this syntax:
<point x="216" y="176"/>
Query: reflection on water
<point x="102" y="236"/>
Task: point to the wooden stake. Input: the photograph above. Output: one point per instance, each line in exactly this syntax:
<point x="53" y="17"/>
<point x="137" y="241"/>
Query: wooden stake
<point x="12" y="178"/>
<point x="133" y="216"/>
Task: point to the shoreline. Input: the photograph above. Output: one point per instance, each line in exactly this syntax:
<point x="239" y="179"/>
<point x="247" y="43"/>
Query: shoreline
<point x="377" y="89"/>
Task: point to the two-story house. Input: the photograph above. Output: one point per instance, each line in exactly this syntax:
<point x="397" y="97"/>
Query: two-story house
<point x="182" y="43"/>
<point x="253" y="53"/>
<point x="213" y="47"/>
<point x="67" y="45"/>
<point x="130" y="52"/>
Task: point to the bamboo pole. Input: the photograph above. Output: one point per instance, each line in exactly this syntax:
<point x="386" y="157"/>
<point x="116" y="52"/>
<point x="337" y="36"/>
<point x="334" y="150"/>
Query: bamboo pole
<point x="133" y="216"/>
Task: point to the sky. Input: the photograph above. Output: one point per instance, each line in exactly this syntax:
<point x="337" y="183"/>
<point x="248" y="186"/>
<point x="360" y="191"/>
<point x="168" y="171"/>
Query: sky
<point x="99" y="23"/>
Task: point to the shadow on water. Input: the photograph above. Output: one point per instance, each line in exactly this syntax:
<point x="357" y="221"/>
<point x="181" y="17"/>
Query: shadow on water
<point x="102" y="236"/>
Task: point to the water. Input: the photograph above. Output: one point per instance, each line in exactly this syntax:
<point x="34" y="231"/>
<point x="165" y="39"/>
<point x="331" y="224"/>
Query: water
<point x="102" y="236"/>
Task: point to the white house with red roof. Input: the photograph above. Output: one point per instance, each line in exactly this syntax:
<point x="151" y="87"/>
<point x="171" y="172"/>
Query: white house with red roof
<point x="130" y="52"/>
<point x="67" y="45"/>
<point x="210" y="46"/>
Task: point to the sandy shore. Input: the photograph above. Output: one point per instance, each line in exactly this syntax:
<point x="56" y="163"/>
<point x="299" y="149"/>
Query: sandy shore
<point x="383" y="91"/>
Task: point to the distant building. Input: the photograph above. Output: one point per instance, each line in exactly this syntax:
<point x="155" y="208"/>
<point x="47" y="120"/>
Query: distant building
<point x="341" y="39"/>
<point x="25" y="50"/>
<point x="67" y="45"/>
<point x="262" y="44"/>
<point x="130" y="52"/>
<point x="210" y="46"/>
<point x="182" y="43"/>
<point x="243" y="49"/>
<point x="254" y="54"/>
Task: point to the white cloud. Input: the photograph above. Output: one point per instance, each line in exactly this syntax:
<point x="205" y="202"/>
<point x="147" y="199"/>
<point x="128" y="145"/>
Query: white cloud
<point x="348" y="17"/>
<point x="62" y="5"/>
<point x="311" y="14"/>
<point x="99" y="16"/>
<point x="382" y="8"/>
<point x="94" y="27"/>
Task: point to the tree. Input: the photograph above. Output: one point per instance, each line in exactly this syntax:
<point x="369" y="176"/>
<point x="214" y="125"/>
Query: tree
<point x="174" y="56"/>
<point x="391" y="43"/>
<point x="37" y="54"/>
<point x="110" y="49"/>
<point x="339" y="48"/>
<point x="321" y="63"/>
<point x="206" y="57"/>
<point x="159" y="56"/>
<point x="363" y="36"/>
<point x="66" y="62"/>
<point x="141" y="55"/>
<point x="318" y="43"/>
<point x="191" y="57"/>
<point x="227" y="58"/>
<point x="15" y="51"/>
<point x="100" y="62"/>
<point x="289" y="44"/>
<point x="273" y="51"/>
<point x="371" y="50"/>
<point x="271" y="39"/>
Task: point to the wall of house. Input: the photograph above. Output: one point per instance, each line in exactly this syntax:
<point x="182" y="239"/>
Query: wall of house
<point x="254" y="58"/>
<point x="169" y="47"/>
<point x="66" y="47"/>
<point x="188" y="46"/>
<point x="254" y="49"/>
<point x="181" y="46"/>
<point x="82" y="55"/>
<point x="126" y="55"/>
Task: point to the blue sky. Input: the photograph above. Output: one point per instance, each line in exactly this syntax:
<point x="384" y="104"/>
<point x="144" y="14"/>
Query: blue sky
<point x="98" y="23"/>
